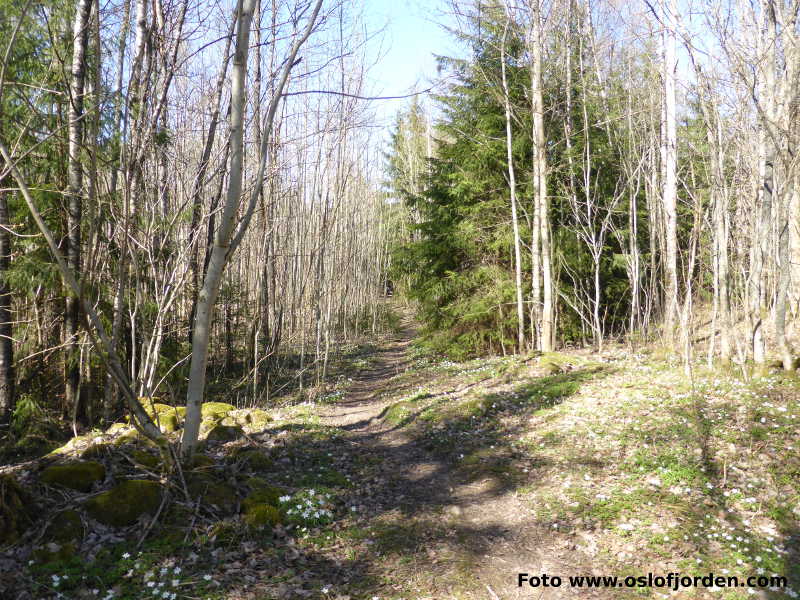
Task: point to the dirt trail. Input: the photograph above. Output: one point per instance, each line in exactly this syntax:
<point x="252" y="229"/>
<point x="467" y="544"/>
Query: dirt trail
<point x="491" y="535"/>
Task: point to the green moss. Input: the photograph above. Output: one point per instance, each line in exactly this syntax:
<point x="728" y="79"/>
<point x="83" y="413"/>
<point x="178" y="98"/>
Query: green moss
<point x="80" y="442"/>
<point x="34" y="444"/>
<point x="125" y="503"/>
<point x="168" y="422"/>
<point x="128" y="437"/>
<point x="16" y="510"/>
<point x="253" y="459"/>
<point x="266" y="494"/>
<point x="215" y="410"/>
<point x="116" y="428"/>
<point x="263" y="515"/>
<point x="54" y="552"/>
<point x="65" y="527"/>
<point x="200" y="461"/>
<point x="224" y="433"/>
<point x="79" y="476"/>
<point x="145" y="459"/>
<point x="257" y="419"/>
<point x="206" y="488"/>
<point x="96" y="450"/>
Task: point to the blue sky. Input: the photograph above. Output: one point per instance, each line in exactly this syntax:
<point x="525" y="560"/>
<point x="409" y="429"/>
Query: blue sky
<point x="404" y="50"/>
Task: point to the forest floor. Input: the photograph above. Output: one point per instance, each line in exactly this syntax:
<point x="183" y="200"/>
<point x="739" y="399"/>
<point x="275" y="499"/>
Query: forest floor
<point x="465" y="475"/>
<point x="447" y="480"/>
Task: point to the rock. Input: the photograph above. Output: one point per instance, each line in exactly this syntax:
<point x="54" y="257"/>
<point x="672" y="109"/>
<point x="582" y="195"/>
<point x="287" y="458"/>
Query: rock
<point x="251" y="458"/>
<point x="79" y="476"/>
<point x="125" y="503"/>
<point x="16" y="510"/>
<point x="211" y="491"/>
<point x="263" y="515"/>
<point x="145" y="459"/>
<point x="263" y="494"/>
<point x="168" y="422"/>
<point x="200" y="461"/>
<point x="54" y="552"/>
<point x="224" y="433"/>
<point x="65" y="527"/>
<point x="253" y="420"/>
<point x="96" y="450"/>
<point x="215" y="410"/>
<point x="116" y="428"/>
<point x="81" y="442"/>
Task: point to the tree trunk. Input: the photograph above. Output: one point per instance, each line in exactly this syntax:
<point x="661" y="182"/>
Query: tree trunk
<point x="669" y="194"/>
<point x="80" y="33"/>
<point x="541" y="221"/>
<point x="7" y="391"/>
<point x="226" y="240"/>
<point x="512" y="184"/>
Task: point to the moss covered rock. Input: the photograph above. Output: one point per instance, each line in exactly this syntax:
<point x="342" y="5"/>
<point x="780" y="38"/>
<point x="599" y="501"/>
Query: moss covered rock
<point x="252" y="459"/>
<point x="129" y="436"/>
<point x="200" y="461"/>
<point x="16" y="510"/>
<point x="96" y="450"/>
<point x="215" y="410"/>
<point x="262" y="494"/>
<point x="263" y="515"/>
<point x="80" y="476"/>
<point x="224" y="433"/>
<point x="52" y="552"/>
<point x="145" y="459"/>
<point x="125" y="503"/>
<point x="76" y="445"/>
<point x="116" y="428"/>
<point x="168" y="422"/>
<point x="65" y="527"/>
<point x="207" y="489"/>
<point x="258" y="419"/>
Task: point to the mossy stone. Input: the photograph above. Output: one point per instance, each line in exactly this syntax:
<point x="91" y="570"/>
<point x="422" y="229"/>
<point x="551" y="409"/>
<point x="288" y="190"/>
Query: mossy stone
<point x="210" y="491"/>
<point x="215" y="410"/>
<point x="65" y="527"/>
<point x="116" y="428"/>
<point x="16" y="510"/>
<point x="79" y="476"/>
<point x="224" y="433"/>
<point x="145" y="459"/>
<point x="96" y="450"/>
<point x="53" y="552"/>
<point x="168" y="422"/>
<point x="263" y="494"/>
<point x="80" y="442"/>
<point x="255" y="419"/>
<point x="200" y="461"/>
<point x="128" y="437"/>
<point x="253" y="459"/>
<point x="125" y="503"/>
<point x="263" y="515"/>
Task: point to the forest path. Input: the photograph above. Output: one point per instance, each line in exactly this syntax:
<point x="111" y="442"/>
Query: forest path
<point x="442" y="535"/>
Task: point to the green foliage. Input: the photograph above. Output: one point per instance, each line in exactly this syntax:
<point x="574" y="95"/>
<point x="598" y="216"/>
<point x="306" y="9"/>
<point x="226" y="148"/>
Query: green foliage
<point x="457" y="258"/>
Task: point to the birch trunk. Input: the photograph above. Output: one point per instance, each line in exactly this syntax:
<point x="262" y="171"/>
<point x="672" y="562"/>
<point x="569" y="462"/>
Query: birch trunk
<point x="80" y="35"/>
<point x="226" y="239"/>
<point x="512" y="184"/>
